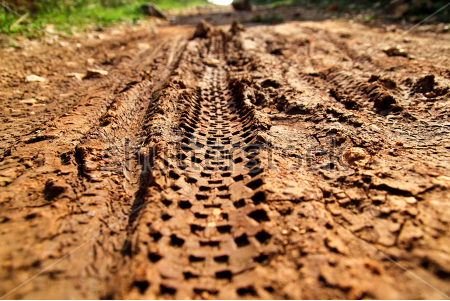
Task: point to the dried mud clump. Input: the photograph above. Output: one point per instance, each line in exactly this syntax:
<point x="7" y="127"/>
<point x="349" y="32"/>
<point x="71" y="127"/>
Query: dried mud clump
<point x="424" y="84"/>
<point x="54" y="188"/>
<point x="236" y="27"/>
<point x="395" y="51"/>
<point x="345" y="99"/>
<point x="381" y="92"/>
<point x="384" y="101"/>
<point x="356" y="157"/>
<point x="203" y="30"/>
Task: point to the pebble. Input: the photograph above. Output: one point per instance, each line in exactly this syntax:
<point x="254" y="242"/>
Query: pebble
<point x="430" y="94"/>
<point x="29" y="102"/>
<point x="211" y="62"/>
<point x="143" y="46"/>
<point x="374" y="128"/>
<point x="410" y="200"/>
<point x="96" y="73"/>
<point x="34" y="78"/>
<point x="216" y="212"/>
<point x="395" y="51"/>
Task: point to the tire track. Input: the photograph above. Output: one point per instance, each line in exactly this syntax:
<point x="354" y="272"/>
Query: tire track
<point x="208" y="230"/>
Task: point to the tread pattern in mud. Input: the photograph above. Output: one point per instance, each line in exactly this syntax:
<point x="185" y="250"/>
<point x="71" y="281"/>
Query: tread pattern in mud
<point x="212" y="227"/>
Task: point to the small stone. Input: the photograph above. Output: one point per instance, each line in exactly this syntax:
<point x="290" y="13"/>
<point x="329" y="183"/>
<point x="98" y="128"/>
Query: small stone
<point x="374" y="128"/>
<point x="341" y="195"/>
<point x="95" y="73"/>
<point x="205" y="295"/>
<point x="211" y="62"/>
<point x="430" y="94"/>
<point x="395" y="51"/>
<point x="29" y="102"/>
<point x="385" y="210"/>
<point x="284" y="232"/>
<point x="42" y="98"/>
<point x="143" y="46"/>
<point x="410" y="200"/>
<point x="216" y="212"/>
<point x="34" y="78"/>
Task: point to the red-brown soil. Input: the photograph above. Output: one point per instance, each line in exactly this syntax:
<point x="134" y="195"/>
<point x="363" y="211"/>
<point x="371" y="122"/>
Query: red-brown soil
<point x="291" y="161"/>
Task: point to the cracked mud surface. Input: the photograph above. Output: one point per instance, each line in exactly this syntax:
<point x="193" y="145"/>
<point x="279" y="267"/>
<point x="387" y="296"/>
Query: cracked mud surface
<point x="295" y="161"/>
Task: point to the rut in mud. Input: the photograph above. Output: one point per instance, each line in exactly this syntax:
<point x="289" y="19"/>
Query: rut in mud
<point x="208" y="231"/>
<point x="271" y="162"/>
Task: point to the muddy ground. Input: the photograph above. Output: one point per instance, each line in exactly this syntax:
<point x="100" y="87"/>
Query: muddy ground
<point x="289" y="161"/>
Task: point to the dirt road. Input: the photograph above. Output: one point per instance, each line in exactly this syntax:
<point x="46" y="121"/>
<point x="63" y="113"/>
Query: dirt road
<point x="300" y="160"/>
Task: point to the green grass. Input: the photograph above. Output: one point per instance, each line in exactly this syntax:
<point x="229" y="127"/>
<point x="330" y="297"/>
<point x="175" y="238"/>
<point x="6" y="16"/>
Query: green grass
<point x="80" y="14"/>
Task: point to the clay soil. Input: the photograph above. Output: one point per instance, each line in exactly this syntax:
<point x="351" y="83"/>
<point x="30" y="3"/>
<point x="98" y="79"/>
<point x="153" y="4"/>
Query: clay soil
<point x="289" y="161"/>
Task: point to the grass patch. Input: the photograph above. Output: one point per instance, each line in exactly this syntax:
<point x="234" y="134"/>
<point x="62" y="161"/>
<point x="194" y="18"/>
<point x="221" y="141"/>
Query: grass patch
<point x="69" y="14"/>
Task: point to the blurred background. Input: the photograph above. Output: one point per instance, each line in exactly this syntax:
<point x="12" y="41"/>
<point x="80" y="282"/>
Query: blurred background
<point x="69" y="16"/>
